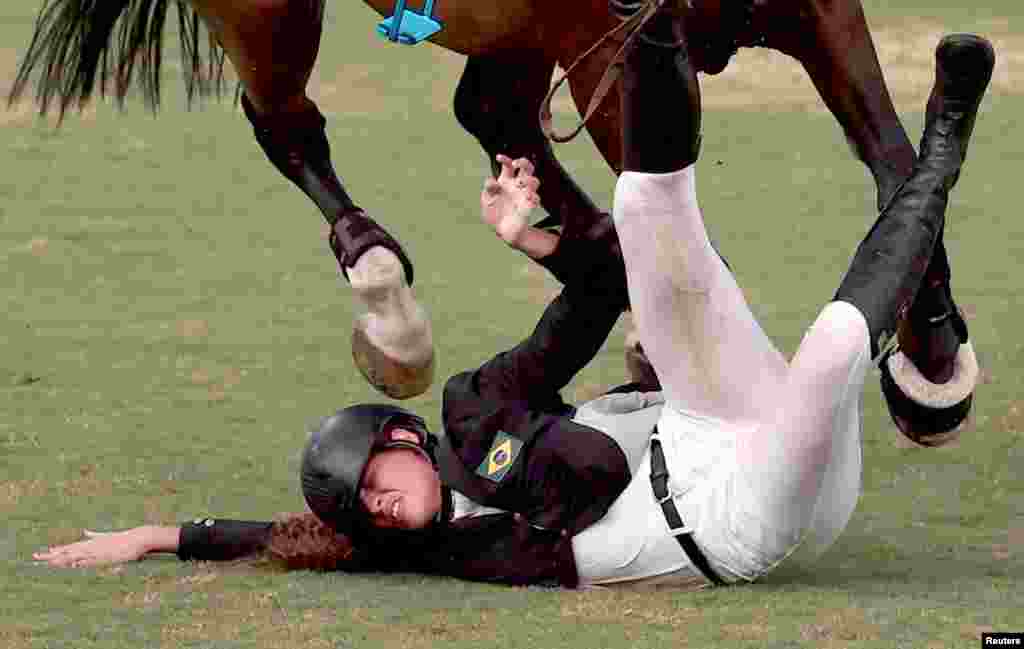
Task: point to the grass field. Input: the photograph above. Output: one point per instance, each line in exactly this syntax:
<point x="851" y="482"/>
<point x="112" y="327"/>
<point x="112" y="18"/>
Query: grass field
<point x="173" y="320"/>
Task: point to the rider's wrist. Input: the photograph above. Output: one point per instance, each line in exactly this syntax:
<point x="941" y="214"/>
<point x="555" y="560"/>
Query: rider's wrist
<point x="156" y="538"/>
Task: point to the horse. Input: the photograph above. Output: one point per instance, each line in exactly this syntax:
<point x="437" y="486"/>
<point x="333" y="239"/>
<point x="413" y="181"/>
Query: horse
<point x="512" y="49"/>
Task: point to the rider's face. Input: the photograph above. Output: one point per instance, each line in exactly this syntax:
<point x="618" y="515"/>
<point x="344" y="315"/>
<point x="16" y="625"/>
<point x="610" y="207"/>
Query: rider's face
<point x="400" y="488"/>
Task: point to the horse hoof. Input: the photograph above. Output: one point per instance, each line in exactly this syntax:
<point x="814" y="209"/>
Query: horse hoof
<point x="393" y="377"/>
<point x="392" y="343"/>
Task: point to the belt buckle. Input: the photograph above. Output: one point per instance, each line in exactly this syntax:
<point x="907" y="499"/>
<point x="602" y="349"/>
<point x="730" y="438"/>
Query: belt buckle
<point x="680" y="531"/>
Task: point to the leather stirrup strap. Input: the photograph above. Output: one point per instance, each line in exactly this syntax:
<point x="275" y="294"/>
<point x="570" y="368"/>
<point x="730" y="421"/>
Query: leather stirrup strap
<point x="630" y="28"/>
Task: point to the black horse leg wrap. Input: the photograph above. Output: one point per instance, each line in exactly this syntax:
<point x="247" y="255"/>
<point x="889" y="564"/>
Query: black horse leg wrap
<point x="353" y="233"/>
<point x="297" y="146"/>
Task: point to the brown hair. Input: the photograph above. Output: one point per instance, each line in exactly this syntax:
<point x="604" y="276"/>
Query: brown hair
<point x="304" y="542"/>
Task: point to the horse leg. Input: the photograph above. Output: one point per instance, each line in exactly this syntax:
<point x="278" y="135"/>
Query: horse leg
<point x="834" y="45"/>
<point x="497" y="100"/>
<point x="273" y="45"/>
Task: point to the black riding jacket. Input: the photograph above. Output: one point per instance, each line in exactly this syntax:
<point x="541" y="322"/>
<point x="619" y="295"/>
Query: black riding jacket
<point x="509" y="443"/>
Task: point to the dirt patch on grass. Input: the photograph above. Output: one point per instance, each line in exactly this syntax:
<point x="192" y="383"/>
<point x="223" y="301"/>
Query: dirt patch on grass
<point x="87" y="483"/>
<point x="839" y="627"/>
<point x="16" y="636"/>
<point x="218" y="382"/>
<point x="259" y="616"/>
<point x="232" y="377"/>
<point x="37" y="246"/>
<point x="218" y="616"/>
<point x="625" y="608"/>
<point x="1016" y="538"/>
<point x="758" y="628"/>
<point x="1014" y="545"/>
<point x="973" y="632"/>
<point x="1013" y="420"/>
<point x="440" y="629"/>
<point x="16" y="491"/>
<point x="193" y="329"/>
<point x="217" y="390"/>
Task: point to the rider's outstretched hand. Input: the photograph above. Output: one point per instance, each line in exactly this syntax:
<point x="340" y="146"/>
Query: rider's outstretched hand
<point x="506" y="203"/>
<point x="100" y="548"/>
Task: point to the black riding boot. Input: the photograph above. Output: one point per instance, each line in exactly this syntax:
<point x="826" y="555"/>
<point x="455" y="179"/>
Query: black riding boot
<point x="929" y="377"/>
<point x="890" y="264"/>
<point x="934" y="327"/>
<point x="297" y="145"/>
<point x="660" y="100"/>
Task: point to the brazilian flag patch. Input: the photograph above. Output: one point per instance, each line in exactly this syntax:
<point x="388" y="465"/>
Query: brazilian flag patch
<point x="500" y="458"/>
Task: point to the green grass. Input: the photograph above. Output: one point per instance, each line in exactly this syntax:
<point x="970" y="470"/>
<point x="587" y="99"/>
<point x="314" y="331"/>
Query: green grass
<point x="178" y="320"/>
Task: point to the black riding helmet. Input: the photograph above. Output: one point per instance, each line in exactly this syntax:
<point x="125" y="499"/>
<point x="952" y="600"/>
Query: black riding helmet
<point x="338" y="451"/>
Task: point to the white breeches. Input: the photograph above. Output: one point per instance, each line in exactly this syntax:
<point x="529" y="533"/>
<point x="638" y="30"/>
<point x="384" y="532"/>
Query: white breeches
<point x="789" y="476"/>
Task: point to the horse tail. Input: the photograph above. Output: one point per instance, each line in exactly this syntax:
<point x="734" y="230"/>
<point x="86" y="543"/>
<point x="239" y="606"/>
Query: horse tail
<point x="117" y="43"/>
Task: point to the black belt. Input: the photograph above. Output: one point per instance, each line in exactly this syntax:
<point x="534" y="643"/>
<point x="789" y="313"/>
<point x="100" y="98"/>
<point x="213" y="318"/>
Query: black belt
<point x="659" y="483"/>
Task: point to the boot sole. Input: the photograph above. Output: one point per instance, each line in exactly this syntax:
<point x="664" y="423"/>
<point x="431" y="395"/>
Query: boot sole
<point x="963" y="56"/>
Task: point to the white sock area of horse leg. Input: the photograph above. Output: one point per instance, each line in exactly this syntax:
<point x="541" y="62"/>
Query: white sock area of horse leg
<point x="376" y="275"/>
<point x="394" y="321"/>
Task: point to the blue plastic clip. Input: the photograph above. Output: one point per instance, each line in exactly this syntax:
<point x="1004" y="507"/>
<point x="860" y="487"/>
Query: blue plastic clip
<point x="408" y="26"/>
